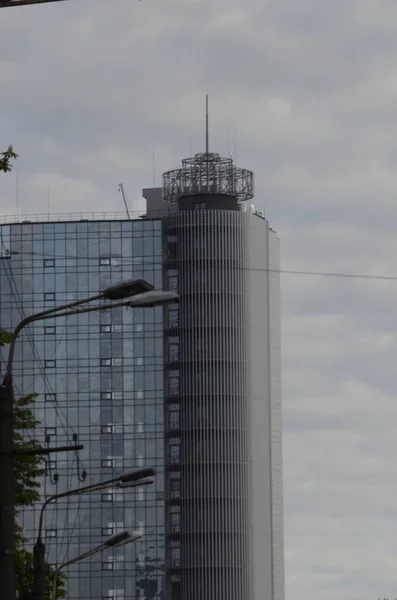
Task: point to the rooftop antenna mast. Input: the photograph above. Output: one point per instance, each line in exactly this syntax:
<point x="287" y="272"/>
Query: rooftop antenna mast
<point x="121" y="189"/>
<point x="207" y="142"/>
<point x="206" y="126"/>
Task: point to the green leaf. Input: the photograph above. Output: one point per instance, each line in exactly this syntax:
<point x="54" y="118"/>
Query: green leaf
<point x="27" y="470"/>
<point x="7" y="157"/>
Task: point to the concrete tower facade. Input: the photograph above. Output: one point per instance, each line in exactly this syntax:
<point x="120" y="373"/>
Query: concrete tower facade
<point x="223" y="394"/>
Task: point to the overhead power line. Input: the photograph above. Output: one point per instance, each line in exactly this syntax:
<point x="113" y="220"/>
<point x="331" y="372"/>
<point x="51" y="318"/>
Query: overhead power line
<point x="128" y="262"/>
<point x="331" y="274"/>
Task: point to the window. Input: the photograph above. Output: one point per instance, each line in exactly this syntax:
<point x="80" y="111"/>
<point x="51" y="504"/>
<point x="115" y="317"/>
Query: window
<point x="106" y="328"/>
<point x="139" y="327"/>
<point x="200" y="206"/>
<point x="49" y="296"/>
<point x="49" y="262"/>
<point x="139" y="361"/>
<point x="50" y="533"/>
<point x="118" y="395"/>
<point x="172" y="281"/>
<point x="140" y="460"/>
<point x="50" y="431"/>
<point x="108" y="362"/>
<point x="139" y="394"/>
<point x="139" y="427"/>
<point x="50" y="364"/>
<point x="113" y="461"/>
<point x="175" y="519"/>
<point x="112" y="428"/>
<point x="106" y="395"/>
<point x="141" y="561"/>
<point x="175" y="556"/>
<point x="113" y="563"/>
<point x="174" y="419"/>
<point x="174" y="454"/>
<point x="173" y="349"/>
<point x="106" y="261"/>
<point x="172" y="318"/>
<point x="113" y="527"/>
<point x="140" y="494"/>
<point x="115" y="594"/>
<point x="172" y="239"/>
<point x="173" y="384"/>
<point x="50" y="397"/>
<point x="113" y="496"/>
<point x="51" y="464"/>
<point x="175" y="487"/>
<point x="49" y="330"/>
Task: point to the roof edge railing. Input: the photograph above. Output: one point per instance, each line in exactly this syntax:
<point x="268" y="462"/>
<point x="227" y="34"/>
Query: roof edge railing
<point x="22" y="219"/>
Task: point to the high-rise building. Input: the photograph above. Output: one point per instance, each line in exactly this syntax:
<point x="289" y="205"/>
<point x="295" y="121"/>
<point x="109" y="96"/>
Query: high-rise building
<point x="192" y="389"/>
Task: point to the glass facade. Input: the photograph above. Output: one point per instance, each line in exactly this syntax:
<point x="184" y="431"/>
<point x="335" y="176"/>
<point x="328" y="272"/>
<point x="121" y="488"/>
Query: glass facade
<point x="192" y="389"/>
<point x="99" y="379"/>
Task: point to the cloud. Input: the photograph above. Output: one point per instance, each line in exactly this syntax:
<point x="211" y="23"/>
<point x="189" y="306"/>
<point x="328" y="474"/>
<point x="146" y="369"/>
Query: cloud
<point x="304" y="92"/>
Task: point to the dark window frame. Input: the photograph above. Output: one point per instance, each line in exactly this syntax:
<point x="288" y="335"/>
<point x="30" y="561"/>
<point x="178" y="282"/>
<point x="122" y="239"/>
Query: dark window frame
<point x="50" y="531"/>
<point x="174" y="419"/>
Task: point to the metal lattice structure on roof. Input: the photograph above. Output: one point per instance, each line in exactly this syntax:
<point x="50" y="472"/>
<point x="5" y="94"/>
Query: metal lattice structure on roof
<point x="208" y="173"/>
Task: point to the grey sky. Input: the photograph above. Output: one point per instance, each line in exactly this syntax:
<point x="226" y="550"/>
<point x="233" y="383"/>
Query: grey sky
<point x="306" y="92"/>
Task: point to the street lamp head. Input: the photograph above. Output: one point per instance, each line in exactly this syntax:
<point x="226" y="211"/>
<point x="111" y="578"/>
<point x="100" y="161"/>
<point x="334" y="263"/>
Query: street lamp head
<point x="124" y="537"/>
<point x="153" y="298"/>
<point x="137" y="474"/>
<point x="126" y="289"/>
<point x="139" y="483"/>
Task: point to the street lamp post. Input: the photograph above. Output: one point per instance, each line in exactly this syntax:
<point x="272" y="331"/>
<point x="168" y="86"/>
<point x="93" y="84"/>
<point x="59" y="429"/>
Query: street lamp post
<point x="119" y="539"/>
<point x="134" y="478"/>
<point x="144" y="296"/>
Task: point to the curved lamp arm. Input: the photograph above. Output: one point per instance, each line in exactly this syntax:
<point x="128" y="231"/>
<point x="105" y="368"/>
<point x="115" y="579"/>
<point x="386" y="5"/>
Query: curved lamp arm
<point x="52" y="314"/>
<point x="83" y="490"/>
<point x="119" y="539"/>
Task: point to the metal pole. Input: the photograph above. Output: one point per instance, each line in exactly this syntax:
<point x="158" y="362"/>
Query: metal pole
<point x="7" y="493"/>
<point x="7" y="482"/>
<point x="54" y="587"/>
<point x="39" y="572"/>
